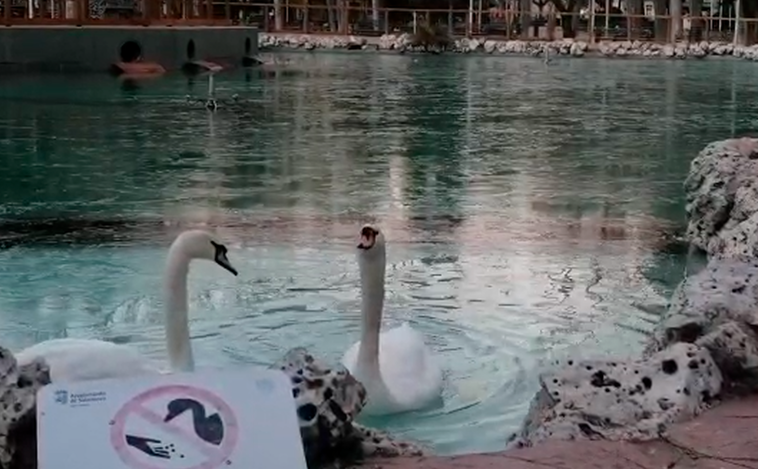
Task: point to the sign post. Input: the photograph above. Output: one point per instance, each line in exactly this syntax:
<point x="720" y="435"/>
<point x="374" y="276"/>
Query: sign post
<point x="204" y="420"/>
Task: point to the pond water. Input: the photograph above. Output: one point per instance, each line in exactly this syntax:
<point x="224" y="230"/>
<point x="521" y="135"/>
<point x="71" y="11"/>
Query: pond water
<point x="528" y="210"/>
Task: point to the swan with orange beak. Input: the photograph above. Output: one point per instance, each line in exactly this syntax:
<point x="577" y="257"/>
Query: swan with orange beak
<point x="396" y="366"/>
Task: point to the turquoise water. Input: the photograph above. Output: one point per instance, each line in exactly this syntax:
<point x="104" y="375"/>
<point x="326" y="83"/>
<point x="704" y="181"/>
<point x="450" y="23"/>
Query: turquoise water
<point x="528" y="210"/>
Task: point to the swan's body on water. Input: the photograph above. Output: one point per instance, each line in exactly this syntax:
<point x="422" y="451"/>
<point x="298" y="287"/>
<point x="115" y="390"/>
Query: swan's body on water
<point x="87" y="359"/>
<point x="397" y="368"/>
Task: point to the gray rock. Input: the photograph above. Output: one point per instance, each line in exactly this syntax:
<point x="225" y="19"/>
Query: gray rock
<point x="722" y="292"/>
<point x="473" y="45"/>
<point x="328" y="399"/>
<point x="621" y="399"/>
<point x="18" y="432"/>
<point x="697" y="51"/>
<point x="717" y="308"/>
<point x="722" y="198"/>
<point x="576" y="50"/>
<point x="376" y="443"/>
<point x="735" y="350"/>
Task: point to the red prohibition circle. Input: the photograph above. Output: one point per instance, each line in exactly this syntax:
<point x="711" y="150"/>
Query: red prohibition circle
<point x="135" y="408"/>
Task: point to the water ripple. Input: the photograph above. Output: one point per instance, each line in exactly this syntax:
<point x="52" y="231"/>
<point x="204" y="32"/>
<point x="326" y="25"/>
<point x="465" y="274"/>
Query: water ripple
<point x="530" y="210"/>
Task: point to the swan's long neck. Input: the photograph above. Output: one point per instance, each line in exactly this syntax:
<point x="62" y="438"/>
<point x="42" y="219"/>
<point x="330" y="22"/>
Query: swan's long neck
<point x="372" y="303"/>
<point x="198" y="411"/>
<point x="177" y="323"/>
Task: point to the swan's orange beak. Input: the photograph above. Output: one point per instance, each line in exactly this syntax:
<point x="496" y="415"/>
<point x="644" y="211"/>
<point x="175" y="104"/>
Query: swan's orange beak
<point x="368" y="238"/>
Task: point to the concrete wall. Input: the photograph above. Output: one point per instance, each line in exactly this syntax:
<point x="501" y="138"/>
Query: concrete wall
<point x="96" y="48"/>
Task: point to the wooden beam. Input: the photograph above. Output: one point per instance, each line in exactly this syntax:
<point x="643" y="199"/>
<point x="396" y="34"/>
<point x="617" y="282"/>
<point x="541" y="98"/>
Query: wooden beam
<point x="73" y="22"/>
<point x="7" y="11"/>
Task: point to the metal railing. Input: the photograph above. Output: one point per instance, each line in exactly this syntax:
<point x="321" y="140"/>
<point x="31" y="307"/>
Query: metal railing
<point x="318" y="19"/>
<point x="507" y="24"/>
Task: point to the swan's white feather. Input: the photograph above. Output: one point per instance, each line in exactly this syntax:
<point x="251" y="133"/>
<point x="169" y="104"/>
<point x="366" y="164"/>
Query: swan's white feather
<point x="85" y="359"/>
<point x="88" y="359"/>
<point x="411" y="374"/>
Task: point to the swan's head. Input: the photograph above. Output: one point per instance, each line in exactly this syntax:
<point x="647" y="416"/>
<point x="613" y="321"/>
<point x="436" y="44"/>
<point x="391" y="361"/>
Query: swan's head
<point x="371" y="244"/>
<point x="177" y="406"/>
<point x="199" y="244"/>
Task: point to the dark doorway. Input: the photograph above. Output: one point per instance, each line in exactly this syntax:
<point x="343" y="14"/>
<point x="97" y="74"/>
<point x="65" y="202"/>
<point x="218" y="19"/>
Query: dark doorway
<point x="130" y="51"/>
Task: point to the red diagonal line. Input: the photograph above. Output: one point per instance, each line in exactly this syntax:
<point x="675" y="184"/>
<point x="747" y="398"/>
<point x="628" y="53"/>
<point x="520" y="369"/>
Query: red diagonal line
<point x="189" y="437"/>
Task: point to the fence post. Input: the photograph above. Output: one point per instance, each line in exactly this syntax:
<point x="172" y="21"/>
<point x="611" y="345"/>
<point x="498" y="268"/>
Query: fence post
<point x="450" y="23"/>
<point x="470" y="22"/>
<point x="305" y="18"/>
<point x="737" y="7"/>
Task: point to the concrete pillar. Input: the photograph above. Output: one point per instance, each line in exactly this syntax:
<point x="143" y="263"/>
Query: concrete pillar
<point x="70" y="12"/>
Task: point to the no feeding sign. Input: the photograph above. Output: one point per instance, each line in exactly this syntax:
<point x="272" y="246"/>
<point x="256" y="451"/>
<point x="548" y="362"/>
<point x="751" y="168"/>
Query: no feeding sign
<point x="243" y="418"/>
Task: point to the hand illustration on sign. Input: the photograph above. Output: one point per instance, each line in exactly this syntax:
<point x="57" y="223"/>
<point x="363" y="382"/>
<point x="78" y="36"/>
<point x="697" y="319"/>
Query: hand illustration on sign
<point x="150" y="446"/>
<point x="210" y="428"/>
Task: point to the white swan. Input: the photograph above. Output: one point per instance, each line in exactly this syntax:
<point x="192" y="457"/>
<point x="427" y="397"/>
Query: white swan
<point x="399" y="371"/>
<point x="86" y="359"/>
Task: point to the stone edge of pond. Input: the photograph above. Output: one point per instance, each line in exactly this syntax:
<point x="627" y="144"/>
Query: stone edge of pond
<point x="690" y="398"/>
<point x="401" y="43"/>
<point x="721" y="438"/>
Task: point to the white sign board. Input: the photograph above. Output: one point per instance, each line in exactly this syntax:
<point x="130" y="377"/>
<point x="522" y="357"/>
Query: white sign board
<point x="243" y="418"/>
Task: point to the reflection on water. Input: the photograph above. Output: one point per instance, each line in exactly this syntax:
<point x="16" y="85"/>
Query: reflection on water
<point x="531" y="211"/>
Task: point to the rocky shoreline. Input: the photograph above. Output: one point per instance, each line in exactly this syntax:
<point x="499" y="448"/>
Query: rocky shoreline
<point x="721" y="438"/>
<point x="401" y="43"/>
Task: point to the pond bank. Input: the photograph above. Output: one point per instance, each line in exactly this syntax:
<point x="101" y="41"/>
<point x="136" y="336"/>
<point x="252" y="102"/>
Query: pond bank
<point x="722" y="438"/>
<point x="401" y="43"/>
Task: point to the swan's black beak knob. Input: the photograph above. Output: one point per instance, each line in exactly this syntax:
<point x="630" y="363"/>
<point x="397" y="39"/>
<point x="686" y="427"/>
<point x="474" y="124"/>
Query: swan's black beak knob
<point x="221" y="259"/>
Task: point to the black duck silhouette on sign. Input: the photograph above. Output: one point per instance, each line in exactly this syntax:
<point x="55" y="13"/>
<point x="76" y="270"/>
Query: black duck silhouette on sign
<point x="209" y="428"/>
